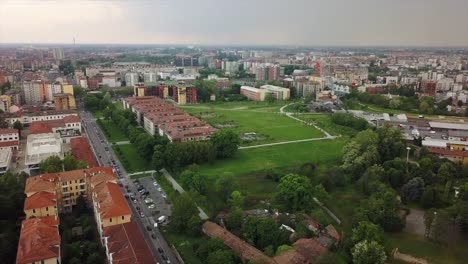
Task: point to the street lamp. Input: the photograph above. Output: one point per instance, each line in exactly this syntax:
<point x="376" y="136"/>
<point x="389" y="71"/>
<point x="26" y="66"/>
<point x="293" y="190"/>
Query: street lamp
<point x="407" y="154"/>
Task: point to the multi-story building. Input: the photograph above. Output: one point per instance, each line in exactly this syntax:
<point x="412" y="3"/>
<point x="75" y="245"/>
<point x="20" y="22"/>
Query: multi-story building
<point x="279" y="93"/>
<point x="131" y="78"/>
<point x="29" y="117"/>
<point x="306" y="88"/>
<point x="66" y="128"/>
<point x="58" y="54"/>
<point x="267" y="72"/>
<point x="52" y="193"/>
<point x="445" y="84"/>
<point x="34" y="92"/>
<point x="9" y="138"/>
<point x="150" y="77"/>
<point x="5" y="103"/>
<point x="159" y="117"/>
<point x="62" y="102"/>
<point x="230" y="66"/>
<point x="41" y="146"/>
<point x="253" y="93"/>
<point x="179" y="93"/>
<point x="5" y="159"/>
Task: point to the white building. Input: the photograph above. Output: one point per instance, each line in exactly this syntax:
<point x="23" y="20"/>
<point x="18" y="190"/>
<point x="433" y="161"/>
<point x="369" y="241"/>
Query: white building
<point x="444" y="84"/>
<point x="5" y="160"/>
<point x="58" y="54"/>
<point x="28" y="118"/>
<point x="279" y="93"/>
<point x="230" y="66"/>
<point x="131" y="78"/>
<point x="9" y="138"/>
<point x="40" y="147"/>
<point x="150" y="77"/>
<point x="31" y="92"/>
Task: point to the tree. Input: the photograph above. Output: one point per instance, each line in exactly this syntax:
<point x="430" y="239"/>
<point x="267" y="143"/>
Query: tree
<point x="237" y="199"/>
<point x="371" y="178"/>
<point x="70" y="163"/>
<point x="366" y="252"/>
<point x="427" y="198"/>
<point x="157" y="160"/>
<point x="234" y="220"/>
<point x="412" y="190"/>
<point x="51" y="165"/>
<point x="194" y="180"/>
<point x="210" y="245"/>
<point x="194" y="225"/>
<point x="295" y="192"/>
<point x="220" y="256"/>
<point x="226" y="143"/>
<point x="183" y="210"/>
<point x="269" y="98"/>
<point x="91" y="102"/>
<point x="367" y="231"/>
<point x="262" y="232"/>
<point x="18" y="125"/>
<point x="226" y="184"/>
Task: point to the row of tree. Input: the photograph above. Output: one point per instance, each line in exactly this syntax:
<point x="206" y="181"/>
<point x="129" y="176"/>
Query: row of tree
<point x="55" y="164"/>
<point x="349" y="120"/>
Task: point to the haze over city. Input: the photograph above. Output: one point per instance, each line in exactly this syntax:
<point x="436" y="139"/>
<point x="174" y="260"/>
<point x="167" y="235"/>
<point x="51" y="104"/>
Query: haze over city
<point x="228" y="22"/>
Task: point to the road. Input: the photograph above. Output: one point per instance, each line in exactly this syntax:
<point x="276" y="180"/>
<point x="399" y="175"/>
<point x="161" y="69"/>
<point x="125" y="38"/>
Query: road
<point x="105" y="157"/>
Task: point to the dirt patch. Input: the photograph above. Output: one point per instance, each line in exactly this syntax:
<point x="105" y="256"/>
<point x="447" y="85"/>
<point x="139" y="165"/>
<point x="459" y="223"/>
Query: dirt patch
<point x="252" y="136"/>
<point x="228" y="125"/>
<point x="407" y="258"/>
<point x="415" y="222"/>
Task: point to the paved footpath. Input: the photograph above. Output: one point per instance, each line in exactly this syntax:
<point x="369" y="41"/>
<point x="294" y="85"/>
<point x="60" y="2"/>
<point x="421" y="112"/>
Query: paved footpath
<point x="179" y="188"/>
<point x="287" y="142"/>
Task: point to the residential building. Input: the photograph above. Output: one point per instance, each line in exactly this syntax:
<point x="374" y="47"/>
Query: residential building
<point x="5" y="160"/>
<point x="58" y="54"/>
<point x="66" y="128"/>
<point x="62" y="102"/>
<point x="81" y="150"/>
<point x="280" y="93"/>
<point x="39" y="241"/>
<point x="5" y="103"/>
<point x="40" y="147"/>
<point x="230" y="66"/>
<point x="159" y="117"/>
<point x="267" y="72"/>
<point x="28" y="117"/>
<point x="131" y="78"/>
<point x="9" y="138"/>
<point x="180" y="93"/>
<point x="150" y="77"/>
<point x="253" y="93"/>
<point x="445" y="84"/>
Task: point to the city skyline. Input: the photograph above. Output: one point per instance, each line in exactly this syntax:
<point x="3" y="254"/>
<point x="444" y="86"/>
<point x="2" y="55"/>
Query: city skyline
<point x="207" y="22"/>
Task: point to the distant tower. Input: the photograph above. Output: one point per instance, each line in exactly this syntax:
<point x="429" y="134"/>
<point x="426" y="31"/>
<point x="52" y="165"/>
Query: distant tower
<point x="74" y="44"/>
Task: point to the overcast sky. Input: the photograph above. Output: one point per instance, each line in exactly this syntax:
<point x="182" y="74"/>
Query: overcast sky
<point x="237" y="22"/>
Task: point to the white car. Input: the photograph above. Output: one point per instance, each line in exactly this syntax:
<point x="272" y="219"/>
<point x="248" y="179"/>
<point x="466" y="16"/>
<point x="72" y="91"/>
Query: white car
<point x="148" y="200"/>
<point x="151" y="206"/>
<point x="164" y="196"/>
<point x="159" y="189"/>
<point x="155" y="183"/>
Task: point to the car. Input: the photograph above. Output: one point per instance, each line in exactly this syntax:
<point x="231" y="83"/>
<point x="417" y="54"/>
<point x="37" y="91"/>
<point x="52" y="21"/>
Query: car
<point x="148" y="200"/>
<point x="163" y="257"/>
<point x="151" y="206"/>
<point x="164" y="196"/>
<point x="162" y="219"/>
<point x="153" y="236"/>
<point x="134" y="201"/>
<point x="144" y="196"/>
<point x="432" y="132"/>
<point x="411" y="127"/>
<point x="155" y="183"/>
<point x="160" y="250"/>
<point x="159" y="189"/>
<point x="138" y="208"/>
<point x="148" y="228"/>
<point x="132" y="196"/>
<point x="142" y="215"/>
<point x="155" y="225"/>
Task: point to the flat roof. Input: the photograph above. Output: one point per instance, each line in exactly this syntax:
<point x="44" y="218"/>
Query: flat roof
<point x="446" y="125"/>
<point x="250" y="88"/>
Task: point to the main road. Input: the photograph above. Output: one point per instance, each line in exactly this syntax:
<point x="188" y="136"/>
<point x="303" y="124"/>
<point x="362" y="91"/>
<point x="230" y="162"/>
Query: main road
<point x="105" y="157"/>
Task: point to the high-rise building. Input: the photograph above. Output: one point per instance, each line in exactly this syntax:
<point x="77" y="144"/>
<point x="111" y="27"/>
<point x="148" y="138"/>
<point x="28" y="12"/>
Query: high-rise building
<point x="131" y="78"/>
<point x="58" y="54"/>
<point x="150" y="77"/>
<point x="267" y="72"/>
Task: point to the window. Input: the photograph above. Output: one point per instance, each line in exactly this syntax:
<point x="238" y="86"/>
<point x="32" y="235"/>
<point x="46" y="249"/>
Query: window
<point x="123" y="217"/>
<point x="47" y="208"/>
<point x="34" y="211"/>
<point x="110" y="219"/>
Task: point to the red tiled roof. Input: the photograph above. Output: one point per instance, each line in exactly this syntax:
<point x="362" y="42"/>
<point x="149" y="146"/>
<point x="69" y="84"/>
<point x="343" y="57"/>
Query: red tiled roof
<point x="8" y="131"/>
<point x="39" y="240"/>
<point x="241" y="247"/>
<point x="38" y="184"/>
<point x="126" y="244"/>
<point x="40" y="200"/>
<point x="39" y="128"/>
<point x="82" y="151"/>
<point x="448" y="152"/>
<point x="9" y="143"/>
<point x="111" y="200"/>
<point x="71" y="119"/>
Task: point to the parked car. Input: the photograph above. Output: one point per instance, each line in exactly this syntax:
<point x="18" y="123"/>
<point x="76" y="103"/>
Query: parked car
<point x="142" y="215"/>
<point x="148" y="200"/>
<point x="151" y="206"/>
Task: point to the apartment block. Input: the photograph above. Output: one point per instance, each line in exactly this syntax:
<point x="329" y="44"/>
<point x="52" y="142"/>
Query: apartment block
<point x="159" y="117"/>
<point x="179" y="93"/>
<point x="9" y="138"/>
<point x="253" y="93"/>
<point x="279" y="93"/>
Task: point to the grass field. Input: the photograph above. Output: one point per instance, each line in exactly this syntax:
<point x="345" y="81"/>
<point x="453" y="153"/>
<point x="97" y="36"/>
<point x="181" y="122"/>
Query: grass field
<point x="115" y="134"/>
<point x="118" y="106"/>
<point x="135" y="162"/>
<point x="247" y="118"/>
<point x="248" y="164"/>
<point x="324" y="121"/>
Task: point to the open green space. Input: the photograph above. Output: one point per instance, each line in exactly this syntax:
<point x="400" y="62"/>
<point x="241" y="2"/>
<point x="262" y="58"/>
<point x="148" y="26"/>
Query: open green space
<point x="268" y="126"/>
<point x="114" y="133"/>
<point x="418" y="246"/>
<point x="244" y="105"/>
<point x="249" y="163"/>
<point x="99" y="114"/>
<point x="325" y="122"/>
<point x="184" y="245"/>
<point x="131" y="159"/>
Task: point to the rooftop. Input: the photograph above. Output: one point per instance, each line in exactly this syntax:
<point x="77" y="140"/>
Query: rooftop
<point x="126" y="244"/>
<point x="8" y="131"/>
<point x="447" y="125"/>
<point x="40" y="200"/>
<point x="39" y="240"/>
<point x="111" y="202"/>
<point x="81" y="150"/>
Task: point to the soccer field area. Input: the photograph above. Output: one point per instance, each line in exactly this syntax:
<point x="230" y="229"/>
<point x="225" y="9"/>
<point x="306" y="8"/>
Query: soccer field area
<point x="251" y="117"/>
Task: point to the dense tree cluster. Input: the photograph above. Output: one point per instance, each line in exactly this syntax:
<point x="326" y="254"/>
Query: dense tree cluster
<point x="55" y="164"/>
<point x="345" y="119"/>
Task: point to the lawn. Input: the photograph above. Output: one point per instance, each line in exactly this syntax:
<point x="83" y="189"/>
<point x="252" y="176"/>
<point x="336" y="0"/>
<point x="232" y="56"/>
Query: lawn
<point x="118" y="105"/>
<point x="417" y="246"/>
<point x="248" y="164"/>
<point x="114" y="133"/>
<point x="184" y="245"/>
<point x="270" y="126"/>
<point x="135" y="162"/>
<point x="244" y="105"/>
<point x="324" y="121"/>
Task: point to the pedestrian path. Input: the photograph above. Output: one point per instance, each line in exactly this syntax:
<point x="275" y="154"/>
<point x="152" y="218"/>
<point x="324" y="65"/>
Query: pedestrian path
<point x="287" y="142"/>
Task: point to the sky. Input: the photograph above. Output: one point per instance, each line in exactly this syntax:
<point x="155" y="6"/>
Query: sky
<point x="237" y="22"/>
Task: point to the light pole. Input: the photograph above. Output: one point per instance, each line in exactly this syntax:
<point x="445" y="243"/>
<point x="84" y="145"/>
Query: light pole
<point x="407" y="154"/>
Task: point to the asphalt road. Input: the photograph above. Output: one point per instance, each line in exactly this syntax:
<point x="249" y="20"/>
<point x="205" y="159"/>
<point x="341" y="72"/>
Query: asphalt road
<point x="105" y="157"/>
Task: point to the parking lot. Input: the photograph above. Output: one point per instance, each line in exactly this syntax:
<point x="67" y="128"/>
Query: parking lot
<point x="150" y="199"/>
